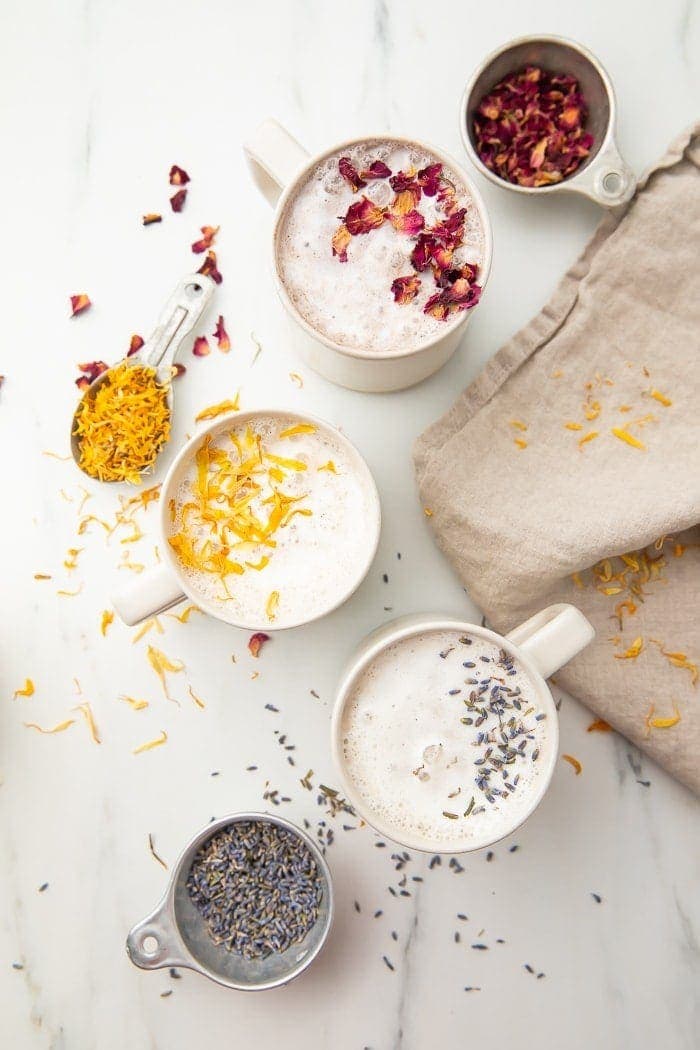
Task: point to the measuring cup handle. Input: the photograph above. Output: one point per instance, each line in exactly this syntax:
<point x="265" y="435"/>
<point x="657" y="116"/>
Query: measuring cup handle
<point x="152" y="593"/>
<point x="553" y="636"/>
<point x="168" y="949"/>
<point x="180" y="314"/>
<point x="608" y="180"/>
<point x="274" y="157"/>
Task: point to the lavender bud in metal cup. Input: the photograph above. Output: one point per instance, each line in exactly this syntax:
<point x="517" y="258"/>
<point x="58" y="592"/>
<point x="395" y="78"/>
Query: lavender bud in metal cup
<point x="602" y="176"/>
<point x="249" y="905"/>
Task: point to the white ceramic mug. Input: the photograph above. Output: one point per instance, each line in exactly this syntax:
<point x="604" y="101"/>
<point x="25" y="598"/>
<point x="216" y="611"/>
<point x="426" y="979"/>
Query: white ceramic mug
<point x="542" y="645"/>
<point x="279" y="164"/>
<point x="166" y="585"/>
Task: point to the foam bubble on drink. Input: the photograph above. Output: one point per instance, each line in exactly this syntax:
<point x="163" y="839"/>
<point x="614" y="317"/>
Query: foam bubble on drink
<point x="352" y="303"/>
<point x="317" y="559"/>
<point x="412" y="759"/>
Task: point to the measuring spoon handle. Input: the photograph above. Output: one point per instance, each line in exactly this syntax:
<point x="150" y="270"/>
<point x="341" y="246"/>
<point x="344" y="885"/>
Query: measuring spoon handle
<point x="180" y="314"/>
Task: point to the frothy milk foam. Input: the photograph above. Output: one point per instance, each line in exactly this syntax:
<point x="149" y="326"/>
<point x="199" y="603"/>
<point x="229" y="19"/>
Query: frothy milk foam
<point x="317" y="558"/>
<point x="351" y="303"/>
<point x="417" y="746"/>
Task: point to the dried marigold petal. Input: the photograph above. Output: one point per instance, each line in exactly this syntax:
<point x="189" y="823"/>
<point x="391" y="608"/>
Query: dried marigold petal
<point x="26" y="690"/>
<point x="520" y="442"/>
<point x="576" y="577"/>
<point x="256" y="642"/>
<point x="363" y="216"/>
<point x="428" y="512"/>
<point x="135" y="344"/>
<point x="599" y="726"/>
<point x="574" y="426"/>
<point x="272" y="605"/>
<point x="518" y="424"/>
<point x="79" y="303"/>
<point x="207" y="239"/>
<point x="590" y="436"/>
<point x="42" y="576"/>
<point x="106" y="621"/>
<point x="298" y="428"/>
<point x="296" y="379"/>
<point x="329" y="466"/>
<point x="184" y="616"/>
<point x="405" y="289"/>
<point x="577" y="767"/>
<point x="177" y="201"/>
<point x="661" y="398"/>
<point x="628" y="438"/>
<point x="162" y="665"/>
<point x="661" y="723"/>
<point x="633" y="651"/>
<point x="178" y="176"/>
<point x="349" y="173"/>
<point x="56" y="729"/>
<point x="210" y="269"/>
<point x="150" y="744"/>
<point x="221" y="335"/>
<point x="201" y="346"/>
<point x="86" y="712"/>
<point x="218" y="410"/>
<point x="135" y="705"/>
<point x="151" y="217"/>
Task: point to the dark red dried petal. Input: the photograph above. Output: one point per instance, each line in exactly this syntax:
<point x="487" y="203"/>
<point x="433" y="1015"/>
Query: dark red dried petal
<point x="134" y="345"/>
<point x="529" y="128"/>
<point x="151" y="217"/>
<point x="437" y="307"/>
<point x="177" y="201"/>
<point x="256" y="642"/>
<point x="405" y="289"/>
<point x="79" y="303"/>
<point x="429" y="179"/>
<point x="422" y="252"/>
<point x="177" y="370"/>
<point x="209" y="268"/>
<point x="201" y="346"/>
<point x="363" y="216"/>
<point x="178" y="176"/>
<point x="349" y="173"/>
<point x="209" y="234"/>
<point x="403" y="180"/>
<point x="339" y="243"/>
<point x="221" y="336"/>
<point x="91" y="370"/>
<point x="376" y="170"/>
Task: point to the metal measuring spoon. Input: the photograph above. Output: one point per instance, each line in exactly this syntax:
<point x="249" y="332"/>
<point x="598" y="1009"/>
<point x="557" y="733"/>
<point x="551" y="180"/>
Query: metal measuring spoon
<point x="180" y="314"/>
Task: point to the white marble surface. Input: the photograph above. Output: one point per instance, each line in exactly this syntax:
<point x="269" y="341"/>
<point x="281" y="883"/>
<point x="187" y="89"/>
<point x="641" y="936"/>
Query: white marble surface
<point x="100" y="99"/>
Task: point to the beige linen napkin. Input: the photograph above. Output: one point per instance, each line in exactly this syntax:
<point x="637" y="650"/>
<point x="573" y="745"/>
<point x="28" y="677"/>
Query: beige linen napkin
<point x="580" y="443"/>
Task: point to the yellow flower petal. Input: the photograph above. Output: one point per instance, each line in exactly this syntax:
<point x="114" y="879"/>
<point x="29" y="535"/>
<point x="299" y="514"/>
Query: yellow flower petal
<point x="272" y="605"/>
<point x="56" y="729"/>
<point x="628" y="438"/>
<point x="298" y="428"/>
<point x="107" y="619"/>
<point x="219" y="409"/>
<point x="150" y="744"/>
<point x="27" y="690"/>
<point x="573" y="762"/>
<point x="86" y="712"/>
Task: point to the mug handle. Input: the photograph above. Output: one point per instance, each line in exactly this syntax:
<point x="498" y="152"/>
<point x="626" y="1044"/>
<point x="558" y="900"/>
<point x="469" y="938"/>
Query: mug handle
<point x="274" y="157"/>
<point x="553" y="636"/>
<point x="152" y="593"/>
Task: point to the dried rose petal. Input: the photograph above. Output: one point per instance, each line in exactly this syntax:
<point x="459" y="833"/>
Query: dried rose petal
<point x="340" y="241"/>
<point x="91" y="370"/>
<point x="405" y="289"/>
<point x="209" y="233"/>
<point x="256" y="642"/>
<point x="221" y="336"/>
<point x="135" y="345"/>
<point x="177" y="370"/>
<point x="429" y="179"/>
<point x="437" y="307"/>
<point x="412" y="222"/>
<point x="529" y="128"/>
<point x="404" y="180"/>
<point x="349" y="173"/>
<point x="201" y="346"/>
<point x="151" y="217"/>
<point x="376" y="170"/>
<point x="78" y="303"/>
<point x="209" y="268"/>
<point x="178" y="176"/>
<point x="363" y="216"/>
<point x="177" y="201"/>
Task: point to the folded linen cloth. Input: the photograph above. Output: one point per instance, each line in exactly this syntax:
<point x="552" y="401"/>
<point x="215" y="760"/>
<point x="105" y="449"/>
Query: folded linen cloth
<point x="570" y="469"/>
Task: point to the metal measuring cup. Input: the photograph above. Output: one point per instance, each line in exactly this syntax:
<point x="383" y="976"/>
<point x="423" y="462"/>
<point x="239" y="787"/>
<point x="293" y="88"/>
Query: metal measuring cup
<point x="180" y="314"/>
<point x="175" y="934"/>
<point x="603" y="175"/>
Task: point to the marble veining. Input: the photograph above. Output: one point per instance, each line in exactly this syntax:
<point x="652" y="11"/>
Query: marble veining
<point x="104" y="98"/>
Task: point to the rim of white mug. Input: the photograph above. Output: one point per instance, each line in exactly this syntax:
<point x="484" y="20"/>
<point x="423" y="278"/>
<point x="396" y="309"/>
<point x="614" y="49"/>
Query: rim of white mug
<point x="484" y="269"/>
<point x="422" y="624"/>
<point x="213" y="608"/>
